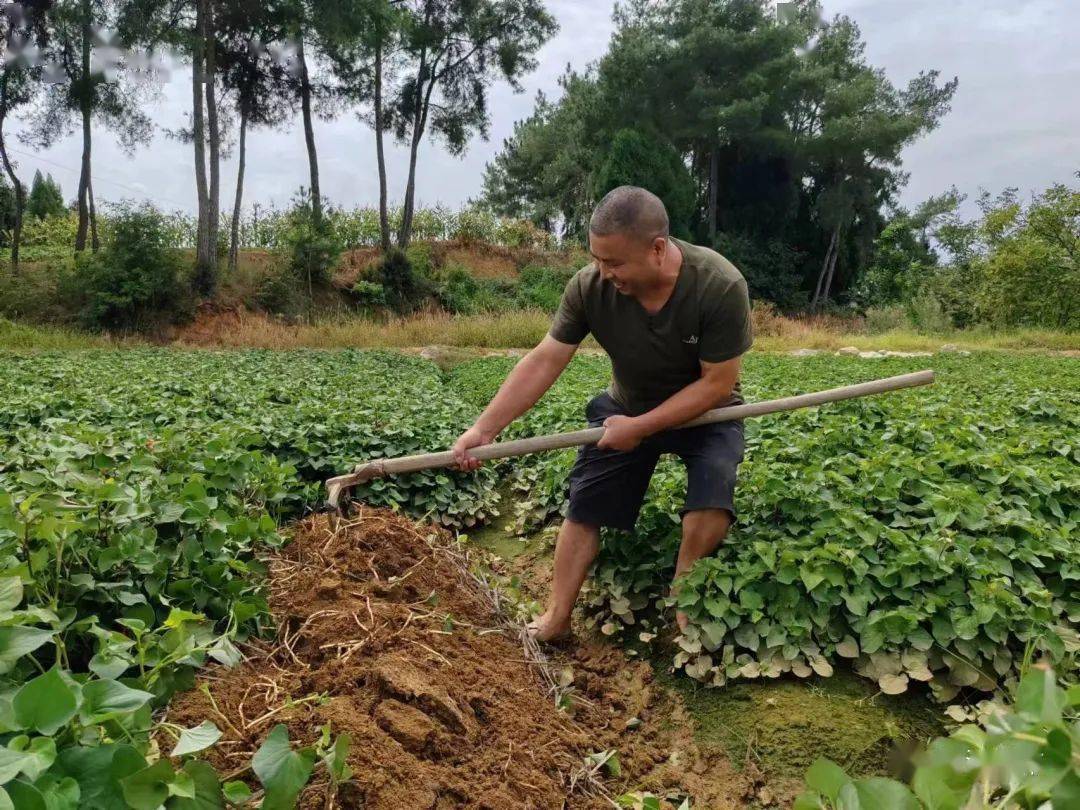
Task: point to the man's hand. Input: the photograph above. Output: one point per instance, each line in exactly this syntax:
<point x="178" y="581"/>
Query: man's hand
<point x="622" y="433"/>
<point x="473" y="437"/>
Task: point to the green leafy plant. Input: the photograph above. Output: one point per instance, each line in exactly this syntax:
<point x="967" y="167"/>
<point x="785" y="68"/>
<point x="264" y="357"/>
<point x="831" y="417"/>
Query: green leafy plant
<point x="1025" y="756"/>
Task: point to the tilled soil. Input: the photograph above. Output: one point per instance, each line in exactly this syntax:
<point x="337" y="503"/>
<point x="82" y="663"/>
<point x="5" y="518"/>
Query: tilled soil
<point x="383" y="635"/>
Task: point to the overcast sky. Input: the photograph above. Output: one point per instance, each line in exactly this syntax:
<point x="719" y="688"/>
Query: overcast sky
<point x="1015" y="118"/>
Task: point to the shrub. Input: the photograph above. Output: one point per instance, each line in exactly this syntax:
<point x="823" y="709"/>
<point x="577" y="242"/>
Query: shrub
<point x="134" y="283"/>
<point x="542" y="287"/>
<point x="928" y="314"/>
<point x="402" y="288"/>
<point x="886" y="319"/>
<point x="369" y="294"/>
<point x="459" y="292"/>
<point x="313" y="248"/>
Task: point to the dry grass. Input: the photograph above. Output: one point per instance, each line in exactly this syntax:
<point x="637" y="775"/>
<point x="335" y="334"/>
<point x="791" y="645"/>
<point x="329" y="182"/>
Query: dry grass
<point x="524" y="329"/>
<point x="516" y="330"/>
<point x="253" y="330"/>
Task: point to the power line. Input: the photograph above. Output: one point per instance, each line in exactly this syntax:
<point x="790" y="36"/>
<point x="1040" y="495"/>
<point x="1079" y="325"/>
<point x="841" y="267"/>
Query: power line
<point x="96" y="177"/>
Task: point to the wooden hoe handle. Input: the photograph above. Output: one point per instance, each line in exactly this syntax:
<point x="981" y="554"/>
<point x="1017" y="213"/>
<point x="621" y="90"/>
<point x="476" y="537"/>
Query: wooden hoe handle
<point x="575" y="438"/>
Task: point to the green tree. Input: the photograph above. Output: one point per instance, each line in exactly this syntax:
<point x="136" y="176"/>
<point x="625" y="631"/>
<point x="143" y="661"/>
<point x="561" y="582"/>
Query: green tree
<point x="791" y="139"/>
<point x="94" y="85"/>
<point x="46" y="199"/>
<point x="21" y="28"/>
<point x="638" y="159"/>
<point x="258" y="83"/>
<point x="451" y="52"/>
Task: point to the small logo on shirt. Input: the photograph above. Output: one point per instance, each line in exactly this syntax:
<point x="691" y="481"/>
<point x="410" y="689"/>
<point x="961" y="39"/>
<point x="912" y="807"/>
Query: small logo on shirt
<point x="692" y="340"/>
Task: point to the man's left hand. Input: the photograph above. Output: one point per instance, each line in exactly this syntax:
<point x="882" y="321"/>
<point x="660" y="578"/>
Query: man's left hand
<point x="621" y="433"/>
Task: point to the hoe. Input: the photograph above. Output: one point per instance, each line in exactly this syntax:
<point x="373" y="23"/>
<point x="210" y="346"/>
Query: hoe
<point x="336" y="487"/>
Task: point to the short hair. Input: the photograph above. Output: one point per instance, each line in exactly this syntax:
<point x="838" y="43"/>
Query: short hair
<point x="632" y="210"/>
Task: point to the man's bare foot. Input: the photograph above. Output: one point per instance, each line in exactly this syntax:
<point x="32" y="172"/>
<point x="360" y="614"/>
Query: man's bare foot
<point x="546" y="628"/>
<point x="682" y="620"/>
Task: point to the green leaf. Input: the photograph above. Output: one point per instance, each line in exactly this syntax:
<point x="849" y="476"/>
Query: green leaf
<point x="879" y="793"/>
<point x="282" y="771"/>
<point x="1039" y="695"/>
<point x="39" y="754"/>
<point x="17" y="641"/>
<point x="237" y="792"/>
<point x="5" y="800"/>
<point x="98" y="770"/>
<point x="46" y="703"/>
<point x="149" y="788"/>
<point x="106" y="699"/>
<point x="25" y="796"/>
<point x="827" y="778"/>
<point x="11" y="592"/>
<point x="207" y="792"/>
<point x="196" y="739"/>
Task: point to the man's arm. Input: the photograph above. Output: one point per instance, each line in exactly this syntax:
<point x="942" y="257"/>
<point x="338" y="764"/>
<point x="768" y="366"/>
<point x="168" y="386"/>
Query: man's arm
<point x="527" y="382"/>
<point x="712" y="390"/>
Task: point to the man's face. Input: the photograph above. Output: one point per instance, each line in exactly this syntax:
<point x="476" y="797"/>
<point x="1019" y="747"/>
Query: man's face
<point x="629" y="263"/>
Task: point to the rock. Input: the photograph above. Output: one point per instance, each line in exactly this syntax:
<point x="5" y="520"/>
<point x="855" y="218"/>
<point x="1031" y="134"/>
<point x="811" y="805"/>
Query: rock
<point x="952" y="348"/>
<point x="804" y="352"/>
<point x="908" y="354"/>
<point x="871" y="355"/>
<point x="406" y="724"/>
<point x="849" y="350"/>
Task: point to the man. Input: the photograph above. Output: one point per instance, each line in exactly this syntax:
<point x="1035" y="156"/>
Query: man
<point x="674" y="319"/>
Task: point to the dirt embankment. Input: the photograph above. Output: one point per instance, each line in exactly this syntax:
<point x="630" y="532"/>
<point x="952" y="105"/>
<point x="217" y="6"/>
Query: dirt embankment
<point x="384" y="636"/>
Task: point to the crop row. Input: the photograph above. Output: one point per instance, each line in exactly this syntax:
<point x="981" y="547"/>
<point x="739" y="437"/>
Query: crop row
<point x="928" y="535"/>
<point x="136" y="491"/>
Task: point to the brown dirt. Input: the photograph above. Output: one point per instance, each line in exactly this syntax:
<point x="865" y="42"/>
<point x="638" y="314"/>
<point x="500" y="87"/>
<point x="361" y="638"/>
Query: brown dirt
<point x="384" y="636"/>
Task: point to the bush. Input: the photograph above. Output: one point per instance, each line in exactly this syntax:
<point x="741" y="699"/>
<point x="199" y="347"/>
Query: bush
<point x="313" y="248"/>
<point x="369" y="294"/>
<point x="459" y="292"/>
<point x="134" y="282"/>
<point x="886" y="319"/>
<point x="928" y="315"/>
<point x="402" y="288"/>
<point x="542" y="287"/>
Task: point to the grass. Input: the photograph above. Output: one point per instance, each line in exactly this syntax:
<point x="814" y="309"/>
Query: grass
<point x="513" y="330"/>
<point x="23" y="337"/>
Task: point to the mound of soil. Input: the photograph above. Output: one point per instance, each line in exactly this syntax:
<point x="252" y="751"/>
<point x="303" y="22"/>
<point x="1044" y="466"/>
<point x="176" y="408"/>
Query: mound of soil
<point x="385" y="636"/>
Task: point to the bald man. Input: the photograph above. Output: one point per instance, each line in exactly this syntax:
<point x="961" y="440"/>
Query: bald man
<point x="675" y="320"/>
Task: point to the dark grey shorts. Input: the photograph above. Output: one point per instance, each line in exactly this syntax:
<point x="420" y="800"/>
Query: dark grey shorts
<point x="607" y="487"/>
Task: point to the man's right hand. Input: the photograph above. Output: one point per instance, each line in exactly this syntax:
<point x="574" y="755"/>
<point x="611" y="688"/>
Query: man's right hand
<point x="473" y="437"/>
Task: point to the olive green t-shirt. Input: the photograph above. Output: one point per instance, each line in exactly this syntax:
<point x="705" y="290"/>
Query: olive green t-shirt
<point x="707" y="318"/>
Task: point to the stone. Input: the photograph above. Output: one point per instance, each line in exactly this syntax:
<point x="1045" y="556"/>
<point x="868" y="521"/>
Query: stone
<point x="871" y="355"/>
<point x="804" y="352"/>
<point x="849" y="350"/>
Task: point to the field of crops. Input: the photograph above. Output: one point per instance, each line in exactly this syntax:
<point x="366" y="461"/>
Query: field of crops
<point x="928" y="536"/>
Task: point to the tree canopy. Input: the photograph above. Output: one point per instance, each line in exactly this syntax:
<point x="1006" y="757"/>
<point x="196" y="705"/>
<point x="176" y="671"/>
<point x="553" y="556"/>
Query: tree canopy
<point x="790" y="139"/>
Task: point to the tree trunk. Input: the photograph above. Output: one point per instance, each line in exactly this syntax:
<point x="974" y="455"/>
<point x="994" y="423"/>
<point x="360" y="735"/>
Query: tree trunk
<point x="84" y="105"/>
<point x="95" y="243"/>
<point x="203" y="280"/>
<point x="832" y="266"/>
<point x="20" y="193"/>
<point x="309" y="136"/>
<point x="424" y="76"/>
<point x="214" y="207"/>
<point x="384" y="217"/>
<point x="824" y="271"/>
<point x="234" y="238"/>
<point x="714" y="192"/>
